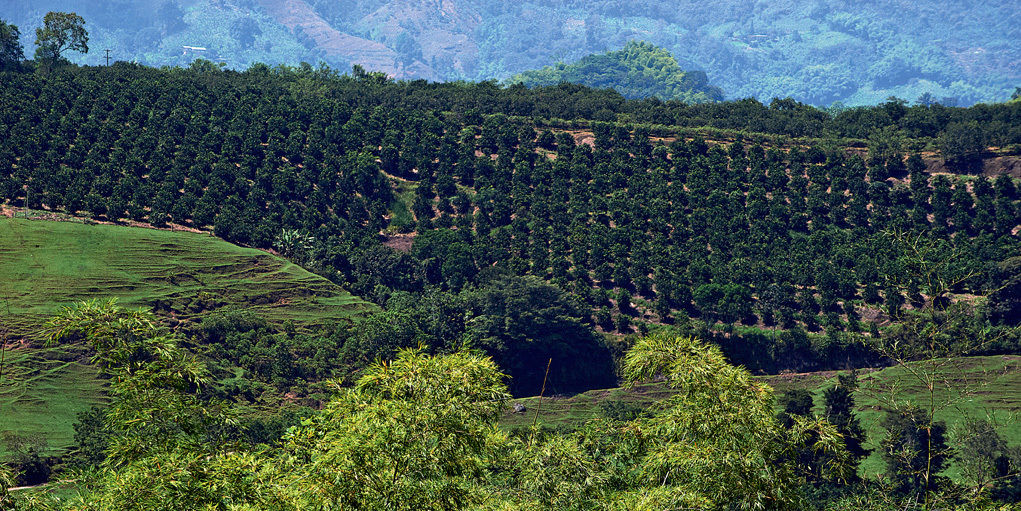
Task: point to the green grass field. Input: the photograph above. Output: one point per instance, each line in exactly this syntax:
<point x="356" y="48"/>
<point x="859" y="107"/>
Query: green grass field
<point x="983" y="387"/>
<point x="45" y="265"/>
<point x="41" y="394"/>
<point x="400" y="209"/>
<point x="970" y="388"/>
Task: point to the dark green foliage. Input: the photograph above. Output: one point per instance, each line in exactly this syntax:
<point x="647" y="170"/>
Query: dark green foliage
<point x="381" y="335"/>
<point x="622" y="410"/>
<point x="797" y="402"/>
<point x="915" y="450"/>
<point x="1005" y="299"/>
<point x="524" y="322"/>
<point x="26" y="458"/>
<point x="961" y="140"/>
<point x="91" y="438"/>
<point x="269" y="354"/>
<point x="727" y="302"/>
<point x="11" y="50"/>
<point x="839" y="411"/>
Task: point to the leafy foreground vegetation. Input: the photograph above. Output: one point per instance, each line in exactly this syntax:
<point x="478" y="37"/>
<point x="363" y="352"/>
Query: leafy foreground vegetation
<point x="987" y="387"/>
<point x="420" y="433"/>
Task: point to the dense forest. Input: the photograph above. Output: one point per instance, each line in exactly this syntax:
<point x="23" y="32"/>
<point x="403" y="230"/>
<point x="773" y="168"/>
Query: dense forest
<point x="520" y="240"/>
<point x="640" y="70"/>
<point x="818" y="52"/>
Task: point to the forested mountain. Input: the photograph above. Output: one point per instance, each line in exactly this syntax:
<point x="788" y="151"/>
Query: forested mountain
<point x="817" y="52"/>
<point x="640" y="70"/>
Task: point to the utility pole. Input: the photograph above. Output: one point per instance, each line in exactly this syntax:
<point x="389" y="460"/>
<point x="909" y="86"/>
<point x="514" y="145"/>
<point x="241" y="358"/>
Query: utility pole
<point x="107" y="57"/>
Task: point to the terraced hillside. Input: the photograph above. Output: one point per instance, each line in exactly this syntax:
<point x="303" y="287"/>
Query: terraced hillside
<point x="45" y="265"/>
<point x="42" y="393"/>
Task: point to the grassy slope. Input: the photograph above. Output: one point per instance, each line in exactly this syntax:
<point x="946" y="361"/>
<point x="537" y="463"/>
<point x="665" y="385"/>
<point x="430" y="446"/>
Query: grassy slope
<point x="45" y="265"/>
<point x="42" y="393"/>
<point x="986" y="387"/>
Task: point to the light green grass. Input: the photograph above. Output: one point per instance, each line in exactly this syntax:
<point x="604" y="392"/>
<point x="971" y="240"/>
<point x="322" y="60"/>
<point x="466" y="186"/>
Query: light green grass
<point x="972" y="388"/>
<point x="401" y="219"/>
<point x="42" y="392"/>
<point x="967" y="388"/>
<point x="576" y="410"/>
<point x="47" y="265"/>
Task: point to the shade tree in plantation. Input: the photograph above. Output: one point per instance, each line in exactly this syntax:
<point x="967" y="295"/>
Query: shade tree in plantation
<point x="61" y="32"/>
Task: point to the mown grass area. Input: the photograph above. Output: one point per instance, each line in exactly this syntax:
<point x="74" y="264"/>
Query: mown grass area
<point x="46" y="265"/>
<point x="41" y="394"/>
<point x="574" y="411"/>
<point x="969" y="387"/>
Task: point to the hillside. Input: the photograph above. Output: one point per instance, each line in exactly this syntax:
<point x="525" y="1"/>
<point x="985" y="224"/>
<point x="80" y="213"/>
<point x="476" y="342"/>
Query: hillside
<point x="506" y="242"/>
<point x="185" y="276"/>
<point x="640" y="70"/>
<point x="818" y="53"/>
<point x="49" y="265"/>
<point x="44" y="391"/>
<point x="751" y="229"/>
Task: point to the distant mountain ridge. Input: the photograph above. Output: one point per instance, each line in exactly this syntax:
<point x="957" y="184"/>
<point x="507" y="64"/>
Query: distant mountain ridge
<point x="816" y="52"/>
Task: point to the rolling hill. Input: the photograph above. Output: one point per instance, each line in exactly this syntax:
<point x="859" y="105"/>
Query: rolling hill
<point x="640" y="70"/>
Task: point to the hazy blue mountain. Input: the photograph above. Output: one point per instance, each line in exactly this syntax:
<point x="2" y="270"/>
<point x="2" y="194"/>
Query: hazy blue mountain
<point x="817" y="51"/>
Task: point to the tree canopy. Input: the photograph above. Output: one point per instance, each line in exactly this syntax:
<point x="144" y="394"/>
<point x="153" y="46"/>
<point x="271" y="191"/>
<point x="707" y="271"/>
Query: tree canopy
<point x="639" y="70"/>
<point x="61" y="32"/>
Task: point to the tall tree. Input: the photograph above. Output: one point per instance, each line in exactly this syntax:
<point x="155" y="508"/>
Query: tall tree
<point x="11" y="51"/>
<point x="839" y="410"/>
<point x="61" y="31"/>
<point x="915" y="450"/>
<point x="717" y="444"/>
